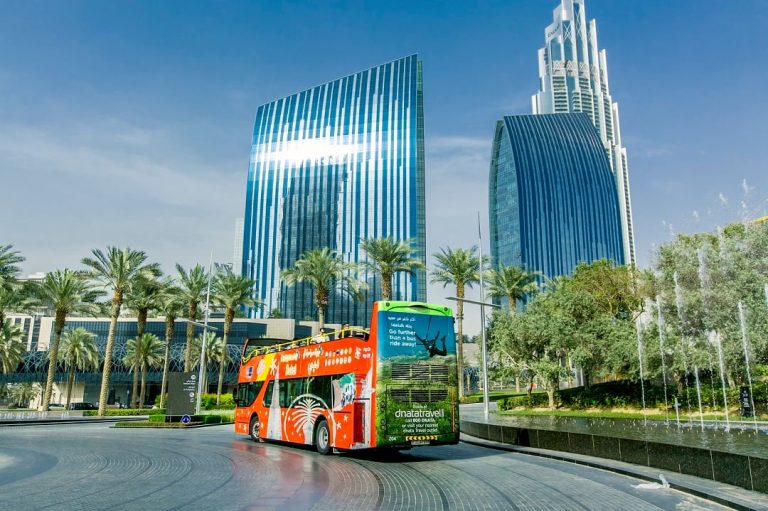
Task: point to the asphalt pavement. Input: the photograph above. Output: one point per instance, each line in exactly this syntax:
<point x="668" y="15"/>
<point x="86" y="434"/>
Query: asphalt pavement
<point x="94" y="467"/>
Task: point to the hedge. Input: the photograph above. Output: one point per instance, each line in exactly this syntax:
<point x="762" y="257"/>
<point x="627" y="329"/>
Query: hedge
<point x="121" y="412"/>
<point x="629" y="394"/>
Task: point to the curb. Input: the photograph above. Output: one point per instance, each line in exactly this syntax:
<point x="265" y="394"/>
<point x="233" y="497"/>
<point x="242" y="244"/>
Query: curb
<point x="48" y="422"/>
<point x="684" y="484"/>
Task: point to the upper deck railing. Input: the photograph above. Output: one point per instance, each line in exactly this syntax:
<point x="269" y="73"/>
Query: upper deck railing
<point x="344" y="333"/>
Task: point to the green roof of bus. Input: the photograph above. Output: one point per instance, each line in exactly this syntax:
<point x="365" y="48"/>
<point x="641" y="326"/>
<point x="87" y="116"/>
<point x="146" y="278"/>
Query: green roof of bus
<point x="415" y="308"/>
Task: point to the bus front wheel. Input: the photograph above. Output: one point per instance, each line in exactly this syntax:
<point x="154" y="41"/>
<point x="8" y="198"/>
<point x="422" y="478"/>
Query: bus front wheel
<point x="323" y="438"/>
<point x="254" y="429"/>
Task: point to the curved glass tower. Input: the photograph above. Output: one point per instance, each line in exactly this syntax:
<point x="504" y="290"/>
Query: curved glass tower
<point x="329" y="167"/>
<point x="552" y="196"/>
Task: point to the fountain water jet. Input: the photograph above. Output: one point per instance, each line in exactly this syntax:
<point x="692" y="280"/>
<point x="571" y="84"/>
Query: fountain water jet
<point x="660" y="322"/>
<point x="714" y="337"/>
<point x="679" y="305"/>
<point x="638" y="328"/>
<point x="743" y="323"/>
<point x="703" y="285"/>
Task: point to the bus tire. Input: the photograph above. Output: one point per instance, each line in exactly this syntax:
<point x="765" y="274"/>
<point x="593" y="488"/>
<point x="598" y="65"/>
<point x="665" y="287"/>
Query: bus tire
<point x="323" y="437"/>
<point x="253" y="428"/>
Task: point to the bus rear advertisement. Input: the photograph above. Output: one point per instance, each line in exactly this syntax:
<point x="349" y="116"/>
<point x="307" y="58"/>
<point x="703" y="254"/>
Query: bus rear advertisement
<point x="393" y="385"/>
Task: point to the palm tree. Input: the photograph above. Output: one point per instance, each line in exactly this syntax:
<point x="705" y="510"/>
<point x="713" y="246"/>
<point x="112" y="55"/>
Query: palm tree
<point x="8" y="260"/>
<point x="16" y="297"/>
<point x="171" y="305"/>
<point x="192" y="285"/>
<point x="513" y="283"/>
<point x="65" y="292"/>
<point x="11" y="347"/>
<point x="78" y="351"/>
<point x="387" y="257"/>
<point x="324" y="270"/>
<point x="117" y="269"/>
<point x="143" y="353"/>
<point x="23" y="393"/>
<point x="214" y="352"/>
<point x="142" y="297"/>
<point x="231" y="291"/>
<point x="461" y="268"/>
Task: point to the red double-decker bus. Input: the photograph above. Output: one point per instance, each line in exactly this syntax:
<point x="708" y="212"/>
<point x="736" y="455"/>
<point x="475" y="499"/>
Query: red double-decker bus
<point x="393" y="385"/>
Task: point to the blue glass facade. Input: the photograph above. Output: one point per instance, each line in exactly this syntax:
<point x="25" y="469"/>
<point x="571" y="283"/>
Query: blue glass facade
<point x="552" y="195"/>
<point x="330" y="166"/>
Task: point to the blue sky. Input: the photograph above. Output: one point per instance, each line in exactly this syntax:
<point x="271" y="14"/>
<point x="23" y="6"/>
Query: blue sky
<point x="129" y="123"/>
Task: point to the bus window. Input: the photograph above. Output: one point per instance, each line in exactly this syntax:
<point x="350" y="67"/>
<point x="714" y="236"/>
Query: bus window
<point x="320" y="386"/>
<point x="267" y="401"/>
<point x="247" y="392"/>
<point x="290" y="390"/>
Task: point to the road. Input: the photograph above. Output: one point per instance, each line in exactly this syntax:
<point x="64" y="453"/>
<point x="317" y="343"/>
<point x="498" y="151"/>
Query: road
<point x="92" y="466"/>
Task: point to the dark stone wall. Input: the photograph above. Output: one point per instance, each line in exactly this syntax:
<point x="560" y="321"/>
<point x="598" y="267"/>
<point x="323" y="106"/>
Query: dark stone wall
<point x="739" y="470"/>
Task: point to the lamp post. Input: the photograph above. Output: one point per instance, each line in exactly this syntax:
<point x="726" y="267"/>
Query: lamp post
<point x="206" y="327"/>
<point x="486" y="401"/>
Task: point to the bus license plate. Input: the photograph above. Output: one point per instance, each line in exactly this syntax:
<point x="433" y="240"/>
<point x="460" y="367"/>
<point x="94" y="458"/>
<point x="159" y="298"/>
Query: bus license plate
<point x="419" y="442"/>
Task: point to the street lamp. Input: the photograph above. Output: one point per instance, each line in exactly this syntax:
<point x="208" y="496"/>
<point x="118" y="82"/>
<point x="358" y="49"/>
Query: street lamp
<point x="483" y="305"/>
<point x="206" y="327"/>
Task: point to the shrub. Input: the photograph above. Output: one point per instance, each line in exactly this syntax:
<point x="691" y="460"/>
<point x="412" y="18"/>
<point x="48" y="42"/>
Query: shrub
<point x="536" y="399"/>
<point x="208" y="402"/>
<point x="120" y="412"/>
<point x="157" y="418"/>
<point x="212" y="419"/>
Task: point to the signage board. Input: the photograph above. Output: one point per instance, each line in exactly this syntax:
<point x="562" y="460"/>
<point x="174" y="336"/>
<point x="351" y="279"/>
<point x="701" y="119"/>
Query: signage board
<point x="182" y="393"/>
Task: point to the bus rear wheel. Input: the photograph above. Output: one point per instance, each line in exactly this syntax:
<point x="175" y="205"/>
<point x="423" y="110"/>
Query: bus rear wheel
<point x="323" y="438"/>
<point x="253" y="429"/>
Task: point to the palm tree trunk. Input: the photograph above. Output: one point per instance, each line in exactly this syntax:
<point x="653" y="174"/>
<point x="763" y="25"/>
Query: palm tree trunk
<point x="117" y="302"/>
<point x="191" y="315"/>
<point x="143" y="384"/>
<point x="512" y="305"/>
<point x="386" y="286"/>
<point x="70" y="383"/>
<point x="320" y="313"/>
<point x="53" y="357"/>
<point x="460" y="339"/>
<point x="135" y="386"/>
<point x="223" y="362"/>
<point x="169" y="326"/>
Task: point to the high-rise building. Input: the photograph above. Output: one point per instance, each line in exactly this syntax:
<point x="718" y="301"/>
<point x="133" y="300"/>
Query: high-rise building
<point x="237" y="251"/>
<point x="552" y="197"/>
<point x="573" y="77"/>
<point x="329" y="167"/>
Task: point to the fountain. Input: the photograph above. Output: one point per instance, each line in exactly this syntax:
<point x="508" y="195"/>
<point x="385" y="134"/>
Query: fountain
<point x="743" y="323"/>
<point x="638" y="328"/>
<point x="714" y="338"/>
<point x="703" y="285"/>
<point x="660" y="322"/>
<point x="679" y="305"/>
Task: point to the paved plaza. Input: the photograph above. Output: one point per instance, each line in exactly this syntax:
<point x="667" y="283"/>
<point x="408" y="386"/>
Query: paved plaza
<point x="92" y="466"/>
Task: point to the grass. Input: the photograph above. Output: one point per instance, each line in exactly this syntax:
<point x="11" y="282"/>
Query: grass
<point x="653" y="414"/>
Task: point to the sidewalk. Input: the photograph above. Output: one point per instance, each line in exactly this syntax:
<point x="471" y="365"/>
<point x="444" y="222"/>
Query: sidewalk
<point x="563" y="441"/>
<point x="725" y="494"/>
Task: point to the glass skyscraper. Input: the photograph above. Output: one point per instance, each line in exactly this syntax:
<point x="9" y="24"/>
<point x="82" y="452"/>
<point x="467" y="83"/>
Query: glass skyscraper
<point x="573" y="77"/>
<point x="329" y="167"/>
<point x="552" y="197"/>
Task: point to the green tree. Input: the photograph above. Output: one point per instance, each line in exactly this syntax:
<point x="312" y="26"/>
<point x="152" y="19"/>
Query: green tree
<point x="78" y="352"/>
<point x="116" y="269"/>
<point x="9" y="269"/>
<point x="460" y="268"/>
<point x="171" y="304"/>
<point x="23" y="393"/>
<point x="193" y="284"/>
<point x="214" y="354"/>
<point x="143" y="353"/>
<point x="325" y="271"/>
<point x="513" y="283"/>
<point x="388" y="257"/>
<point x="65" y="292"/>
<point x="231" y="291"/>
<point x="11" y="347"/>
<point x="142" y="297"/>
